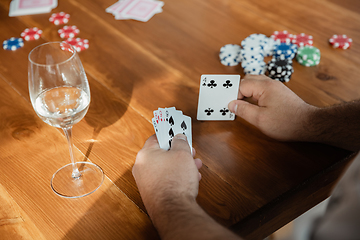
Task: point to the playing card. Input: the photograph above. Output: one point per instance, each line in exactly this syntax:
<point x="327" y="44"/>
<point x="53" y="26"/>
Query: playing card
<point x="120" y="6"/>
<point x="172" y="125"/>
<point x="186" y="129"/>
<point x="216" y="92"/>
<point x="142" y="10"/>
<point x="28" y="7"/>
<point x="167" y="123"/>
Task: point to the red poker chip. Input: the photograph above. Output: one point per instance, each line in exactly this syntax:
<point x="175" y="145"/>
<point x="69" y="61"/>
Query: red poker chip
<point x="68" y="31"/>
<point x="66" y="47"/>
<point x="31" y="34"/>
<point x="59" y="18"/>
<point x="282" y="36"/>
<point x="78" y="43"/>
<point x="340" y="41"/>
<point x="303" y="40"/>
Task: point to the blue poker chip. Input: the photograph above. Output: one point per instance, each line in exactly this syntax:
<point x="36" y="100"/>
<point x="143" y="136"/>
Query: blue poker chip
<point x="288" y="50"/>
<point x="230" y="55"/>
<point x="13" y="43"/>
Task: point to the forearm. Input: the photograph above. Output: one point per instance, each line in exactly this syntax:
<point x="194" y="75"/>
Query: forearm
<point x="184" y="219"/>
<point x="337" y="125"/>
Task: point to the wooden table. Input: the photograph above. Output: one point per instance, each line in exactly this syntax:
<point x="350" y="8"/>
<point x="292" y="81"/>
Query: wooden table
<point x="251" y="183"/>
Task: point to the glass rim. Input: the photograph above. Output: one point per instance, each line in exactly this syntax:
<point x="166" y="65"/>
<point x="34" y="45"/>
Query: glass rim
<point x="47" y="43"/>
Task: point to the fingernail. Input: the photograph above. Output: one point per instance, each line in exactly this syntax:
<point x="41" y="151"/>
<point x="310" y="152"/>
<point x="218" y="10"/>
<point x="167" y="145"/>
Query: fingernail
<point x="180" y="136"/>
<point x="235" y="108"/>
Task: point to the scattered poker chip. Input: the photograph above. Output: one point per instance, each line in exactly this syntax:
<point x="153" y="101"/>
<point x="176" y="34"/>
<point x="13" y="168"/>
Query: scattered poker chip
<point x="340" y="41"/>
<point x="230" y="55"/>
<point x="303" y="40"/>
<point x="67" y="47"/>
<point x="280" y="69"/>
<point x="13" y="43"/>
<point x="308" y="56"/>
<point x="31" y="34"/>
<point x="255" y="42"/>
<point x="286" y="49"/>
<point x="68" y="31"/>
<point x="282" y="36"/>
<point x="78" y="43"/>
<point x="59" y="18"/>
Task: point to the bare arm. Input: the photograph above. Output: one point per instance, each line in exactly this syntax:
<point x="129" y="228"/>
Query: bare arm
<point x="281" y="114"/>
<point x="168" y="182"/>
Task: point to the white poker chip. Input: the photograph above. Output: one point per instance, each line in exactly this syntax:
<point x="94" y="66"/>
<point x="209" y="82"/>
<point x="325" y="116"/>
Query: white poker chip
<point x="255" y="42"/>
<point x="254" y="67"/>
<point x="247" y="56"/>
<point x="230" y="55"/>
<point x="269" y="47"/>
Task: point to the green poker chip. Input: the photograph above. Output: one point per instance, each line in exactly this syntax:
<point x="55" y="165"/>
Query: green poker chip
<point x="308" y="56"/>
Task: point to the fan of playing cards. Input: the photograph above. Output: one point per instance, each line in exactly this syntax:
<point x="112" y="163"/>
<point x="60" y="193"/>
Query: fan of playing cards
<point x="167" y="123"/>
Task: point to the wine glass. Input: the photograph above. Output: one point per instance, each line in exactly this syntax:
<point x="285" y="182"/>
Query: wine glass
<point x="60" y="96"/>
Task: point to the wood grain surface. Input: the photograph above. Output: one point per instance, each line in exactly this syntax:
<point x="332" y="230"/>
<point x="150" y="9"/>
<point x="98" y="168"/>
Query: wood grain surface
<point x="251" y="183"/>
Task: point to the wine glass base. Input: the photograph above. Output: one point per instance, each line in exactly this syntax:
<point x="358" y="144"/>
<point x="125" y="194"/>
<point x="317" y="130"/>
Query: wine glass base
<point x="64" y="185"/>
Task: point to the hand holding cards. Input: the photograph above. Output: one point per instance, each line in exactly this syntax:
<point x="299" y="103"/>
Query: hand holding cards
<point x="215" y="94"/>
<point x="167" y="123"/>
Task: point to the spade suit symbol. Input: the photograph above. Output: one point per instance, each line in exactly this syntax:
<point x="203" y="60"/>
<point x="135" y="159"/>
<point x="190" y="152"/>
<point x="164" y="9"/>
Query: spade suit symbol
<point x="171" y="121"/>
<point x="183" y="126"/>
<point x="171" y="133"/>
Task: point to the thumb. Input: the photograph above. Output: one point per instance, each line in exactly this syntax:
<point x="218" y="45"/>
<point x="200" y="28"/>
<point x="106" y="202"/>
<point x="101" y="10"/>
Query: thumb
<point x="180" y="142"/>
<point x="245" y="110"/>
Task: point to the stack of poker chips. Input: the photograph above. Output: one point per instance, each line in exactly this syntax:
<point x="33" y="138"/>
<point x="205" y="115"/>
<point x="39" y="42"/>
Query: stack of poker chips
<point x="252" y="54"/>
<point x="280" y="68"/>
<point x="308" y="56"/>
<point x="282" y="46"/>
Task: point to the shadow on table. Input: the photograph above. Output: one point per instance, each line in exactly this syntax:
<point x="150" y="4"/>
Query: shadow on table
<point x="113" y="215"/>
<point x="105" y="109"/>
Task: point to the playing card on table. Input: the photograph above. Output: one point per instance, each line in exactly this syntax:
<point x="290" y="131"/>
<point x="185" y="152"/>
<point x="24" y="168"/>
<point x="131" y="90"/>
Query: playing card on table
<point x="167" y="123"/>
<point x="141" y="10"/>
<point x="216" y="92"/>
<point x="28" y="7"/>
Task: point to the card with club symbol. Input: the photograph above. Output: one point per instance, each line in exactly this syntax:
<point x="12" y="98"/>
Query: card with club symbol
<point x="216" y="92"/>
<point x="167" y="123"/>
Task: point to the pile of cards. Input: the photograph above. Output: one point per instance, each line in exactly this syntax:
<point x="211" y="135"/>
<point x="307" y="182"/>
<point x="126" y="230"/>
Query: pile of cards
<point x="216" y="92"/>
<point x="167" y="123"/>
<point x="141" y="10"/>
<point x="29" y="7"/>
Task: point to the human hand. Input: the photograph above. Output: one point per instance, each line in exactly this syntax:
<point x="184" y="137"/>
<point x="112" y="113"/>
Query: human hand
<point x="279" y="112"/>
<point x="166" y="176"/>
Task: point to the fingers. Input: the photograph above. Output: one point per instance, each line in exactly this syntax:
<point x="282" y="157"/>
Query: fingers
<point x="151" y="142"/>
<point x="193" y="152"/>
<point x="180" y="142"/>
<point x="198" y="163"/>
<point x="245" y="110"/>
<point x="256" y="85"/>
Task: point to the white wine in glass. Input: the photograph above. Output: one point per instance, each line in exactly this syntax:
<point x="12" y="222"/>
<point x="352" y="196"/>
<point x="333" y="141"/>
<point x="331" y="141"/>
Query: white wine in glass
<point x="60" y="95"/>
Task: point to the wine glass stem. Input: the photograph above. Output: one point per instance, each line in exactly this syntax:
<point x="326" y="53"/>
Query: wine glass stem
<point x="68" y="134"/>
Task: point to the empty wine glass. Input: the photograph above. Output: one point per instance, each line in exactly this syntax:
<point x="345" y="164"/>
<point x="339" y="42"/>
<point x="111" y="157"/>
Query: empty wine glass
<point x="60" y="96"/>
